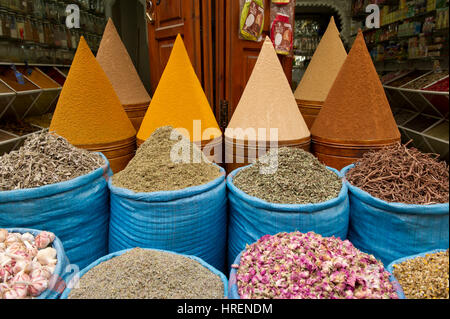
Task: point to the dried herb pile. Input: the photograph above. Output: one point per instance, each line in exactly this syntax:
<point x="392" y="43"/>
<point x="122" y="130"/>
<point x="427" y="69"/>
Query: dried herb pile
<point x="299" y="178"/>
<point x="424" y="277"/>
<point x="147" y="274"/>
<point x="45" y="159"/>
<point x="152" y="169"/>
<point x="398" y="174"/>
<point x="309" y="266"/>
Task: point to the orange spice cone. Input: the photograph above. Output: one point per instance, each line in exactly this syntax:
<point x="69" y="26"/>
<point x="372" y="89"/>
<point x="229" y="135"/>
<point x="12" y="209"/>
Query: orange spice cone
<point x="179" y="100"/>
<point x="267" y="103"/>
<point x="113" y="57"/>
<point x="356" y="116"/>
<point x="89" y="113"/>
<point x="321" y="73"/>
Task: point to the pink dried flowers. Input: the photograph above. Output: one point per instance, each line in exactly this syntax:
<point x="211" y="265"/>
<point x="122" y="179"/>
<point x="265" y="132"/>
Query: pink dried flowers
<point x="309" y="266"/>
<point x="26" y="264"/>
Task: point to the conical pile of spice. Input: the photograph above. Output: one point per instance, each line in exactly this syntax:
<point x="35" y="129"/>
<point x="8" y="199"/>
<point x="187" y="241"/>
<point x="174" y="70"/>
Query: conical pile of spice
<point x="267" y="106"/>
<point x="399" y="174"/>
<point x="356" y="116"/>
<point x="113" y="57"/>
<point x="147" y="274"/>
<point x="309" y="266"/>
<point x="89" y="113"/>
<point x="321" y="73"/>
<point x="289" y="176"/>
<point x="167" y="161"/>
<point x="45" y="159"/>
<point x="179" y="100"/>
<point x="424" y="277"/>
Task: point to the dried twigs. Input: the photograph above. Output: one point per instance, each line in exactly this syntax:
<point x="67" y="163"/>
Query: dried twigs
<point x="402" y="175"/>
<point x="45" y="159"/>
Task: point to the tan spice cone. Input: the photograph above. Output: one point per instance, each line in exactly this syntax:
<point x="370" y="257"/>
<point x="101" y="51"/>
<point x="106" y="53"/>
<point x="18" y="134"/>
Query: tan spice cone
<point x="118" y="66"/>
<point x="324" y="67"/>
<point x="268" y="102"/>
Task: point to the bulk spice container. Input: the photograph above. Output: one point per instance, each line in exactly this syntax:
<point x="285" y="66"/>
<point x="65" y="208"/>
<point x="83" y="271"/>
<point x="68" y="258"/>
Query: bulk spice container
<point x="89" y="113"/>
<point x="50" y="91"/>
<point x="179" y="101"/>
<point x="94" y="279"/>
<point x="114" y="59"/>
<point x="356" y="116"/>
<point x="76" y="209"/>
<point x="55" y="282"/>
<point x="302" y="195"/>
<point x="267" y="103"/>
<point x="26" y="93"/>
<point x="308" y="266"/>
<point x="181" y="207"/>
<point x="399" y="203"/>
<point x="319" y="77"/>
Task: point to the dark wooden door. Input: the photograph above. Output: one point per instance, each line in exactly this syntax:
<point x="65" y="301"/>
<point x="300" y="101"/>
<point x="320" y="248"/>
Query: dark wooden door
<point x="236" y="65"/>
<point x="190" y="18"/>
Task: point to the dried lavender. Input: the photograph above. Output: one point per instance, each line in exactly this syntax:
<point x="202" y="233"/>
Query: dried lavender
<point x="153" y="168"/>
<point x="148" y="274"/>
<point x="45" y="159"/>
<point x="309" y="266"/>
<point x="299" y="178"/>
<point x="424" y="277"/>
<point x="397" y="174"/>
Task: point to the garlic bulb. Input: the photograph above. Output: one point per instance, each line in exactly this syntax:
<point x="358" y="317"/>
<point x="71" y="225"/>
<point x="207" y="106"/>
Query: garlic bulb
<point x="3" y="235"/>
<point x="27" y="264"/>
<point x="44" y="239"/>
<point x="47" y="256"/>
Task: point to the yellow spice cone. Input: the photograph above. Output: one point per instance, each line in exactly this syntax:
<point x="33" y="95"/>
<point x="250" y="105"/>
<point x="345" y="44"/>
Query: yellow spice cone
<point x="88" y="110"/>
<point x="324" y="67"/>
<point x="179" y="100"/>
<point x="116" y="62"/>
<point x="268" y="102"/>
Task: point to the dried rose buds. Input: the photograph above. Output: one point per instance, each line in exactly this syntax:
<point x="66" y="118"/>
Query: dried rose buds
<point x="309" y="266"/>
<point x="26" y="264"/>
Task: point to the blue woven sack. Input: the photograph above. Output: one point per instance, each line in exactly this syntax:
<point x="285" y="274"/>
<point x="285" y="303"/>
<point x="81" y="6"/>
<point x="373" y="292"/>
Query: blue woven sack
<point x="76" y="211"/>
<point x="252" y="218"/>
<point x="394" y="280"/>
<point x="191" y="221"/>
<point x="66" y="292"/>
<point x="61" y="271"/>
<point x="390" y="231"/>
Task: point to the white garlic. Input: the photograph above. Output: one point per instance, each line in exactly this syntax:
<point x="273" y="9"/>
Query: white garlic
<point x="47" y="256"/>
<point x="3" y="235"/>
<point x="28" y="237"/>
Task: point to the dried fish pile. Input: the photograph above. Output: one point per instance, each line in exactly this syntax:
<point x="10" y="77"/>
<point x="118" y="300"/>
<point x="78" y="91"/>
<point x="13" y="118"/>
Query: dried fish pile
<point x="397" y="174"/>
<point x="424" y="277"/>
<point x="26" y="264"/>
<point x="309" y="266"/>
<point x="147" y="274"/>
<point x="155" y="169"/>
<point x="297" y="178"/>
<point x="45" y="159"/>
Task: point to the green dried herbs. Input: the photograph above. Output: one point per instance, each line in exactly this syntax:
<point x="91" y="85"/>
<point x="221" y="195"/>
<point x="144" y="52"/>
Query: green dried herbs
<point x="45" y="159"/>
<point x="156" y="167"/>
<point x="298" y="178"/>
<point x="424" y="277"/>
<point x="148" y="274"/>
